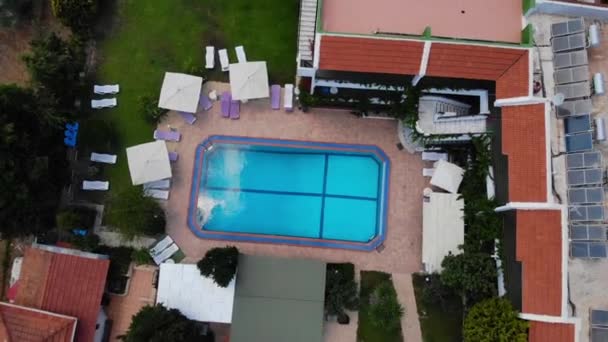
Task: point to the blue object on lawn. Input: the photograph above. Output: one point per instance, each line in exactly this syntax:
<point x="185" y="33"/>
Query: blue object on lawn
<point x="80" y="232"/>
<point x="71" y="142"/>
<point x="72" y="126"/>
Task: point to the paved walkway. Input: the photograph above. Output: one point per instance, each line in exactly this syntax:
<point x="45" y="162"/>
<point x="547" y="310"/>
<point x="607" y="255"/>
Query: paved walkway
<point x="402" y="251"/>
<point x="410" y="325"/>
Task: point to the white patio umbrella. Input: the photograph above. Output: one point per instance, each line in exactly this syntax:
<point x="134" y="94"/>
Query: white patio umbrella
<point x="148" y="162"/>
<point x="180" y="92"/>
<point x="447" y="176"/>
<point x="249" y="80"/>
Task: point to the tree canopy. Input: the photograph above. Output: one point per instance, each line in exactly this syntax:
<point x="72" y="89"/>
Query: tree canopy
<point x="132" y="214"/>
<point x="78" y="15"/>
<point x="494" y="320"/>
<point x="341" y="292"/>
<point x="159" y="324"/>
<point x="473" y="275"/>
<point x="385" y="311"/>
<point x="220" y="264"/>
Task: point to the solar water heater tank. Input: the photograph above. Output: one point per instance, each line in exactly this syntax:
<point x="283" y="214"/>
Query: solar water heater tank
<point x="598" y="84"/>
<point x="600" y="129"/>
<point x="594" y="35"/>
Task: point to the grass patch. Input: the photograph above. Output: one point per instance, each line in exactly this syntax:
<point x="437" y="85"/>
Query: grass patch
<point x="154" y="36"/>
<point x="366" y="331"/>
<point x="439" y="322"/>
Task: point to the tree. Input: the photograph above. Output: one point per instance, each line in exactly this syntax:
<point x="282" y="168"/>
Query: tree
<point x="220" y="264"/>
<point x="341" y="291"/>
<point x="472" y="275"/>
<point x="494" y="320"/>
<point x="78" y="15"/>
<point x="385" y="312"/>
<point x="12" y="11"/>
<point x="133" y="214"/>
<point x="159" y="324"/>
<point x="54" y="66"/>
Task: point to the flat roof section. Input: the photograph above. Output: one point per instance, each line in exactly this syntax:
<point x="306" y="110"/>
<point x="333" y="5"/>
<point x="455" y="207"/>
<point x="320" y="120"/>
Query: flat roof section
<point x="490" y="20"/>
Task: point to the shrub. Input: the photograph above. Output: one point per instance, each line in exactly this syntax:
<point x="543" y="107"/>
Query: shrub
<point x="148" y="107"/>
<point x="494" y="320"/>
<point x="133" y="214"/>
<point x="141" y="256"/>
<point x="385" y="311"/>
<point x="75" y="218"/>
<point x="220" y="264"/>
<point x="78" y="15"/>
<point x="341" y="291"/>
<point x="472" y="275"/>
<point x="88" y="243"/>
<point x="159" y="324"/>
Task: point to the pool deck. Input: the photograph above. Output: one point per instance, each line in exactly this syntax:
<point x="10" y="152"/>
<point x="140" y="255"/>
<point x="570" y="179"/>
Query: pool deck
<point x="402" y="252"/>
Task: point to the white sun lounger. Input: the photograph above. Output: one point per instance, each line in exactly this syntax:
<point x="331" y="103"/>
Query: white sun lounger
<point x="288" y="98"/>
<point x="165" y="254"/>
<point x="209" y="57"/>
<point x="106" y="89"/>
<point x="95" y="185"/>
<point x="157" y="194"/>
<point x="103" y="158"/>
<point x="161" y="246"/>
<point x="103" y="103"/>
<point x="224" y="62"/>
<point x="240" y="54"/>
<point x="434" y="156"/>
<point x="428" y="172"/>
<point x="162" y="184"/>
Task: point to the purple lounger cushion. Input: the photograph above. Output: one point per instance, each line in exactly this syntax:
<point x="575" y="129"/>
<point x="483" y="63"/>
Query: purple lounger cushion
<point x="173" y="156"/>
<point x="188" y="117"/>
<point x="204" y="102"/>
<point x="226" y="98"/>
<point x="235" y="109"/>
<point x="167" y="135"/>
<point x="275" y="96"/>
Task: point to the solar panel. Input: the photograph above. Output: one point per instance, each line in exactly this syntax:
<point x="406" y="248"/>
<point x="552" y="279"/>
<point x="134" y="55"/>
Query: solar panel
<point x="574" y="90"/>
<point x="575" y="107"/>
<point x="585" y="177"/>
<point x="567" y="27"/>
<point x="566" y="43"/>
<point x="577" y="124"/>
<point x="579" y="142"/>
<point x="599" y="317"/>
<point x="570" y="59"/>
<point x="586" y="195"/>
<point x="588" y="232"/>
<point x="571" y="75"/>
<point x="599" y="334"/>
<point x="582" y="213"/>
<point x="588" y="249"/>
<point x="584" y="160"/>
<point x="597" y="250"/>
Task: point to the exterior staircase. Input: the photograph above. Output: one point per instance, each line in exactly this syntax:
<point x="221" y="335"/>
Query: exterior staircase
<point x="439" y="115"/>
<point x="307" y="29"/>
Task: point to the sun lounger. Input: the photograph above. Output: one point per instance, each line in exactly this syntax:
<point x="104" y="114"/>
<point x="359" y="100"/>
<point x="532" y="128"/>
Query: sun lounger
<point x="240" y="54"/>
<point x="434" y="156"/>
<point x="161" y="246"/>
<point x="204" y="103"/>
<point x="225" y="102"/>
<point x="106" y="89"/>
<point x="428" y="172"/>
<point x="157" y="194"/>
<point x="162" y="184"/>
<point x="275" y="96"/>
<point x="95" y="185"/>
<point x="209" y="57"/>
<point x="224" y="62"/>
<point x="103" y="158"/>
<point x="103" y="103"/>
<point x="188" y="117"/>
<point x="70" y="141"/>
<point x="235" y="109"/>
<point x="173" y="156"/>
<point x="288" y="98"/>
<point x="166" y="254"/>
<point x="72" y="127"/>
<point x="167" y="135"/>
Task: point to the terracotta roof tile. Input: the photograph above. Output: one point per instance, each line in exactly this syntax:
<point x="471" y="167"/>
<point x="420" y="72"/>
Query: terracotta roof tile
<point x="554" y="332"/>
<point x="539" y="249"/>
<point x="64" y="284"/>
<point x="515" y="81"/>
<point x="523" y="141"/>
<point x="21" y="324"/>
<point x="370" y="55"/>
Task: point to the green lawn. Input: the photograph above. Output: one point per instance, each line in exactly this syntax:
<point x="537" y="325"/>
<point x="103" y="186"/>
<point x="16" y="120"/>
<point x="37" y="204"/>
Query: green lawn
<point x="366" y="332"/>
<point x="154" y="36"/>
<point x="439" y="323"/>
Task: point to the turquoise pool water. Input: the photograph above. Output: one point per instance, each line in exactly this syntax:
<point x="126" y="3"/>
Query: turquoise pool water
<point x="290" y="191"/>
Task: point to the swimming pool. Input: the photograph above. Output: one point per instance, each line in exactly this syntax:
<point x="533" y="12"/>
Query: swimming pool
<point x="290" y="192"/>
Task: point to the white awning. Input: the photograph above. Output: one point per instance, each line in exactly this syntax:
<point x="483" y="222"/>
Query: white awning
<point x="447" y="176"/>
<point x="148" y="162"/>
<point x="442" y="228"/>
<point x="181" y="286"/>
<point x="180" y="92"/>
<point x="249" y="81"/>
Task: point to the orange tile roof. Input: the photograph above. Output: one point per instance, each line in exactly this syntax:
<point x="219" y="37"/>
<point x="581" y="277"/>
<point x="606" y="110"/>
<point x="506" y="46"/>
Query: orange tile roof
<point x="539" y="249"/>
<point x="65" y="284"/>
<point x="370" y="55"/>
<point x="554" y="332"/>
<point x="523" y="141"/>
<point x="21" y="324"/>
<point x="515" y="81"/>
